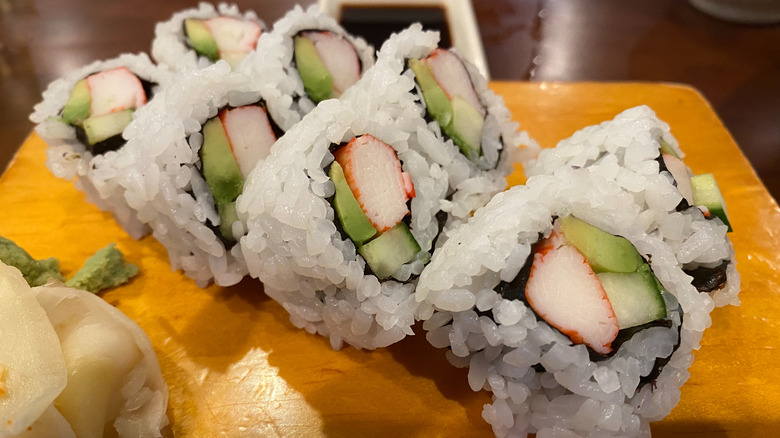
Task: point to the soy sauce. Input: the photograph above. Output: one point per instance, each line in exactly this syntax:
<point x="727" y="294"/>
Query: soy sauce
<point x="376" y="24"/>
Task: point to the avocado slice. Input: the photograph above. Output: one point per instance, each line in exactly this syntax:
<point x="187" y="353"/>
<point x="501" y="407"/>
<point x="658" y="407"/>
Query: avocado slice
<point x="77" y="108"/>
<point x="352" y="217"/>
<point x="635" y="296"/>
<point x="221" y="172"/>
<point x="603" y="251"/>
<point x="466" y="128"/>
<point x="100" y="128"/>
<point x="227" y="215"/>
<point x="706" y="193"/>
<point x="200" y="39"/>
<point x="317" y="80"/>
<point x="391" y="249"/>
<point x="436" y="100"/>
<point x="457" y="118"/>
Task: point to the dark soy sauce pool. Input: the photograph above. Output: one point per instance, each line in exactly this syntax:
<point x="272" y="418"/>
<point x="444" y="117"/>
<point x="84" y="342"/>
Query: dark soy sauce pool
<point x="375" y="24"/>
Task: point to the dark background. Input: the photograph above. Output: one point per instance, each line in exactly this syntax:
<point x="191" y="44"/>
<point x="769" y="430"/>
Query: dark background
<point x="735" y="66"/>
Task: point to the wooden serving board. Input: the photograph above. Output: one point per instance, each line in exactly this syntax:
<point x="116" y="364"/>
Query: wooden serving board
<point x="235" y="365"/>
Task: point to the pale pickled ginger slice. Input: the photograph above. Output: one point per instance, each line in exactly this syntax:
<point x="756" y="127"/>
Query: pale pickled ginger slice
<point x="114" y="379"/>
<point x="49" y="425"/>
<point x="32" y="369"/>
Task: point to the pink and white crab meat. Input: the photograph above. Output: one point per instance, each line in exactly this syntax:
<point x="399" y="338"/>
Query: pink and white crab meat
<point x="339" y="57"/>
<point x="453" y="78"/>
<point x="373" y="172"/>
<point x="250" y="135"/>
<point x="564" y="291"/>
<point x="115" y="90"/>
<point x="234" y="37"/>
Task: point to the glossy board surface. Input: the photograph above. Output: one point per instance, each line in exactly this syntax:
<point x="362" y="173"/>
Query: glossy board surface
<point x="236" y="366"/>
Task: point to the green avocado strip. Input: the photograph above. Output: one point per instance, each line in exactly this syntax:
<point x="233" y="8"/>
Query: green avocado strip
<point x="220" y="168"/>
<point x="200" y="39"/>
<point x="317" y="80"/>
<point x="436" y="99"/>
<point x="78" y="106"/>
<point x="351" y="215"/>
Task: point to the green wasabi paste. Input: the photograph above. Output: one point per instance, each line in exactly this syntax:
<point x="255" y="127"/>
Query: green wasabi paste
<point x="104" y="270"/>
<point x="35" y="272"/>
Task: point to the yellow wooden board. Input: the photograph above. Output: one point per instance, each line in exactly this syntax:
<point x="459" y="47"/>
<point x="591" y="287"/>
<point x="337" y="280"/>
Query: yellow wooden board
<point x="235" y="364"/>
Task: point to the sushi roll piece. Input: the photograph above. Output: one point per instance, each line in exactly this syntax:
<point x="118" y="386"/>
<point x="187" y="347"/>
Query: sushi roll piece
<point x="198" y="37"/>
<point x="193" y="150"/>
<point x="72" y="365"/>
<point x="314" y="51"/>
<point x="341" y="219"/>
<point x="568" y="297"/>
<point x="636" y="152"/>
<point x="347" y="211"/>
<point x="578" y="321"/>
<point x="82" y="118"/>
<point x="482" y="142"/>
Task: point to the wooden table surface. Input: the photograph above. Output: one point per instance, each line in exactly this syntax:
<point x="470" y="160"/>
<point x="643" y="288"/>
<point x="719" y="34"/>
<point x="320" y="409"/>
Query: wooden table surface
<point x="736" y="67"/>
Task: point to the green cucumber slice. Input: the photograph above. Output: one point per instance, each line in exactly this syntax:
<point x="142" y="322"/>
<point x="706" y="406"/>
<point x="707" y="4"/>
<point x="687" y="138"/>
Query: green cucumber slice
<point x="100" y="128"/>
<point x="466" y="128"/>
<point x="386" y="253"/>
<point x="635" y="297"/>
<point x="706" y="193"/>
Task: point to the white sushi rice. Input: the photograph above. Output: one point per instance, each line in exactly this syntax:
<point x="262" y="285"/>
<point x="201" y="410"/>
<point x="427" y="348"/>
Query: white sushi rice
<point x="163" y="181"/>
<point x="275" y="49"/>
<point x="68" y="158"/>
<point x="624" y="153"/>
<point x="169" y="47"/>
<point x="502" y="340"/>
<point x="502" y="143"/>
<point x="293" y="245"/>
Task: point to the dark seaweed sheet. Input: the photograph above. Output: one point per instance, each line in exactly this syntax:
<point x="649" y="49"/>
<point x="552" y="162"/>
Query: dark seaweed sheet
<point x="709" y="279"/>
